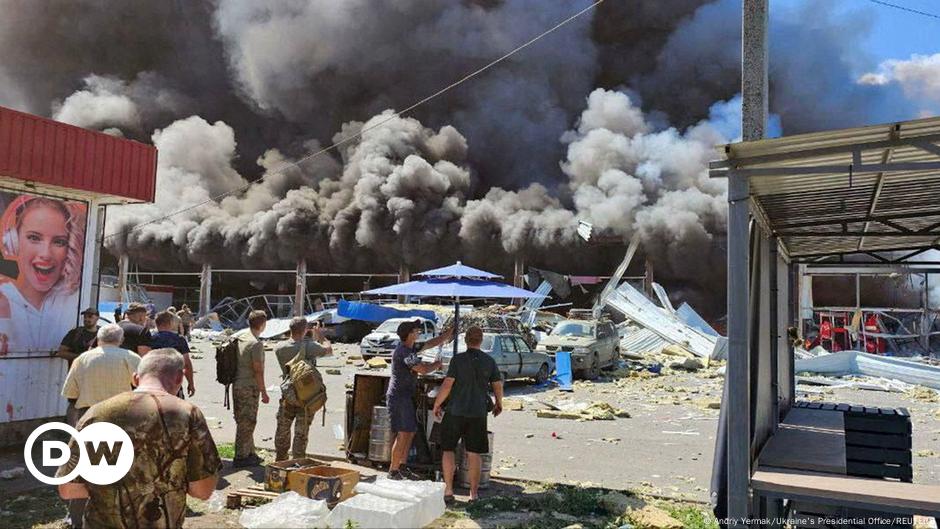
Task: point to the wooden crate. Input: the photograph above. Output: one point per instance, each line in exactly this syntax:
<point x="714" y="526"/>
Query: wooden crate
<point x="233" y="500"/>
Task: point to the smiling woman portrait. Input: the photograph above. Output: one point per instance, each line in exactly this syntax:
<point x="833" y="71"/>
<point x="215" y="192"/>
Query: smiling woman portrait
<point x="45" y="238"/>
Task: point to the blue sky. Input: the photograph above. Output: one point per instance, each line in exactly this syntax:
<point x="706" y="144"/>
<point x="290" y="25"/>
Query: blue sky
<point x="894" y="34"/>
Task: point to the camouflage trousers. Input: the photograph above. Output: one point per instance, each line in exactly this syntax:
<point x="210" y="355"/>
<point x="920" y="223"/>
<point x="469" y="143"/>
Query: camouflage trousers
<point x="300" y="419"/>
<point x="245" y="405"/>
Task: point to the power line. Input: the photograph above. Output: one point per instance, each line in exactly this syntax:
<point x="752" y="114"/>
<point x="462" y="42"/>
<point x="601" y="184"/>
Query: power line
<point x="347" y="139"/>
<point x="903" y="8"/>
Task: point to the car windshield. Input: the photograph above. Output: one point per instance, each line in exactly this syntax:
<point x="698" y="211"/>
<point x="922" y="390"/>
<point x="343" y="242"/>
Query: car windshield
<point x="448" y="348"/>
<point x="574" y="328"/>
<point x="388" y="326"/>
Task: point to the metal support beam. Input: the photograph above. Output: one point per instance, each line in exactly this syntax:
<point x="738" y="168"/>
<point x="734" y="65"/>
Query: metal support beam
<point x="123" y="265"/>
<point x="754" y="90"/>
<point x="101" y="219"/>
<point x="782" y="223"/>
<point x="205" y="290"/>
<point x="929" y="147"/>
<point x="822" y="151"/>
<point x="300" y="287"/>
<point x="774" y="330"/>
<point x="853" y="233"/>
<point x="738" y="368"/>
<point x="847" y="169"/>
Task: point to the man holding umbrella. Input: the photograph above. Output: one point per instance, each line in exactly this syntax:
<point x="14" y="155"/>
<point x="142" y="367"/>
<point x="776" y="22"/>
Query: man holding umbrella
<point x="406" y="365"/>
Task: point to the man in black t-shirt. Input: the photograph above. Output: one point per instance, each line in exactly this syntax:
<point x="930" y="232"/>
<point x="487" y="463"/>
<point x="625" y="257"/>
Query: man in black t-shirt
<point x="469" y="378"/>
<point x="136" y="336"/>
<point x="81" y="338"/>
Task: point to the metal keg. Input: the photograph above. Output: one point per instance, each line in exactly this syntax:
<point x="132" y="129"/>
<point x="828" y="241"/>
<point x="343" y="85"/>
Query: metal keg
<point x="380" y="435"/>
<point x="462" y="476"/>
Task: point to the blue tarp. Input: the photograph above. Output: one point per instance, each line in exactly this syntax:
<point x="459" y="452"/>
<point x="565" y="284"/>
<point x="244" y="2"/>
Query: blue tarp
<point x="563" y="374"/>
<point x="368" y="312"/>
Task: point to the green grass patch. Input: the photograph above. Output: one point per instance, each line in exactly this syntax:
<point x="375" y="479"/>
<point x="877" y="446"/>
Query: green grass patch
<point x="692" y="516"/>
<point x="38" y="508"/>
<point x="226" y="450"/>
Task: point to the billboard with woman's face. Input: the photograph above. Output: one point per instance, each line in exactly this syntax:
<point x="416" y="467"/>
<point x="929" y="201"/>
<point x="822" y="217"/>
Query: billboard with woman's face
<point x="43" y="242"/>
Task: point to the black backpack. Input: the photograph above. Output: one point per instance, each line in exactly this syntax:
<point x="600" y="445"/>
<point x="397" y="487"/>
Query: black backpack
<point x="226" y="365"/>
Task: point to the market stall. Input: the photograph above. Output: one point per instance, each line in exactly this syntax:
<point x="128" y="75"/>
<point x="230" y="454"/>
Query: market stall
<point x="55" y="182"/>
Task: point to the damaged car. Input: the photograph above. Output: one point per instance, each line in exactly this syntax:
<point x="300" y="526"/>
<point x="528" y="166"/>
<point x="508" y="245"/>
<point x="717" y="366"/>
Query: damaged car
<point x="593" y="344"/>
<point x="384" y="339"/>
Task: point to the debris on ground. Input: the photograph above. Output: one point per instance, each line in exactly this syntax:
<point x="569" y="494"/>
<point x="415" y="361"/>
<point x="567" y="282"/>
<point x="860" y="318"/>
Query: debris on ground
<point x="619" y="504"/>
<point x="926" y="453"/>
<point x="512" y="405"/>
<point x="845" y="363"/>
<point x="651" y="517"/>
<point x="584" y="411"/>
<point x="688" y="364"/>
<point x="13" y="473"/>
<point x="924" y="394"/>
<point x="333" y="371"/>
<point x="377" y="363"/>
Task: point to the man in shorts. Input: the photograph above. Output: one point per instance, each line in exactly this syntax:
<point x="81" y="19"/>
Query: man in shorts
<point x="466" y="390"/>
<point x="406" y="365"/>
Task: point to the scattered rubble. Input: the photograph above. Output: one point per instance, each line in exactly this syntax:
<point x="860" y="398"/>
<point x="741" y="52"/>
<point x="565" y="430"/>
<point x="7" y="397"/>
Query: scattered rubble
<point x="13" y="473"/>
<point x="584" y="411"/>
<point x="377" y="363"/>
<point x="512" y="405"/>
<point x="651" y="517"/>
<point x="333" y="371"/>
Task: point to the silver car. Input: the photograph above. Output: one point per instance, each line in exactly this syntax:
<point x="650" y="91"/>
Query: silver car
<point x="514" y="358"/>
<point x="593" y="345"/>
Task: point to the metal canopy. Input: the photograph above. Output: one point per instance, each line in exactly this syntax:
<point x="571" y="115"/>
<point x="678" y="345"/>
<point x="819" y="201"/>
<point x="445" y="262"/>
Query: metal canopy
<point x="859" y="190"/>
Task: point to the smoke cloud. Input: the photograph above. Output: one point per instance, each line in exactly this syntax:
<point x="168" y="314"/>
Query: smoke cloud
<point x="610" y="120"/>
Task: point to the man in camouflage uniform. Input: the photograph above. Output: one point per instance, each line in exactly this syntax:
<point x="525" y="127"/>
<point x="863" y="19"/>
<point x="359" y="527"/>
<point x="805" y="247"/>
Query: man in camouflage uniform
<point x="248" y="386"/>
<point x="174" y="454"/>
<point x="301" y="347"/>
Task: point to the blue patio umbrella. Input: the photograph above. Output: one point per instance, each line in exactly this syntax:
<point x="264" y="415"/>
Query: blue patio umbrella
<point x="455" y="281"/>
<point x="459" y="270"/>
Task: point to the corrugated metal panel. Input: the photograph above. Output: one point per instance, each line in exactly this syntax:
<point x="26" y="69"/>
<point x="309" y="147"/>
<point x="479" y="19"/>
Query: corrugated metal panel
<point x="809" y="211"/>
<point x="31" y="388"/>
<point x="43" y="151"/>
<point x="642" y="341"/>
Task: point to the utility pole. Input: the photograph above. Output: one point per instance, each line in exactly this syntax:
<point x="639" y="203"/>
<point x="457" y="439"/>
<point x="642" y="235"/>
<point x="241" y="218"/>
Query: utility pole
<point x="300" y="288"/>
<point x="753" y="127"/>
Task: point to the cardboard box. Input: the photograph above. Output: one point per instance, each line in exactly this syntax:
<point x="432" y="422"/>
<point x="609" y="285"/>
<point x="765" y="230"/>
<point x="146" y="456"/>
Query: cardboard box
<point x="275" y="474"/>
<point x="329" y="484"/>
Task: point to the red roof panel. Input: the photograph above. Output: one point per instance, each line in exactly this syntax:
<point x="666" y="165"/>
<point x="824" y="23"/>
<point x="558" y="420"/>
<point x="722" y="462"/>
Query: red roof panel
<point x="43" y="151"/>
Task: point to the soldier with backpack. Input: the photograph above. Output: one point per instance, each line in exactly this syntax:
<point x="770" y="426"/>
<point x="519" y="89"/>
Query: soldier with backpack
<point x="247" y="387"/>
<point x="300" y="389"/>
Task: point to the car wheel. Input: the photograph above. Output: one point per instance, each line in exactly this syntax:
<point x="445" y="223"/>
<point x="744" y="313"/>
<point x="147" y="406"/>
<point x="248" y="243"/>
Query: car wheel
<point x="542" y="376"/>
<point x="594" y="371"/>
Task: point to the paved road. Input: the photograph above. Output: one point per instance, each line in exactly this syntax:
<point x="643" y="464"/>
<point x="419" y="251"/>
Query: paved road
<point x="639" y="453"/>
<point x="674" y="463"/>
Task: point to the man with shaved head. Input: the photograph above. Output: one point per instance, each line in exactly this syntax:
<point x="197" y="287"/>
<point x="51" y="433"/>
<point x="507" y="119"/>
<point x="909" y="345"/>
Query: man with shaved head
<point x="174" y="454"/>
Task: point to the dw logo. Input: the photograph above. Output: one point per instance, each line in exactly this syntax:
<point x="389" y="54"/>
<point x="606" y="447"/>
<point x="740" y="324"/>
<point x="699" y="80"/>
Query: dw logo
<point x="105" y="453"/>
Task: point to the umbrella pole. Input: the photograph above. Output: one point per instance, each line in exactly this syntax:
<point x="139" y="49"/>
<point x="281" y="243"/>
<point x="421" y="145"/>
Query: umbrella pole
<point x="456" y="322"/>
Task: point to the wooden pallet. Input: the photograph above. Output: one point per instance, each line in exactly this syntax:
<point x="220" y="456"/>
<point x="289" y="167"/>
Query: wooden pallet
<point x="233" y="500"/>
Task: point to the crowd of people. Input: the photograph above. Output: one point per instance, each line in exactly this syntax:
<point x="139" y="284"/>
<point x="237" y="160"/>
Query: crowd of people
<point x="131" y="373"/>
